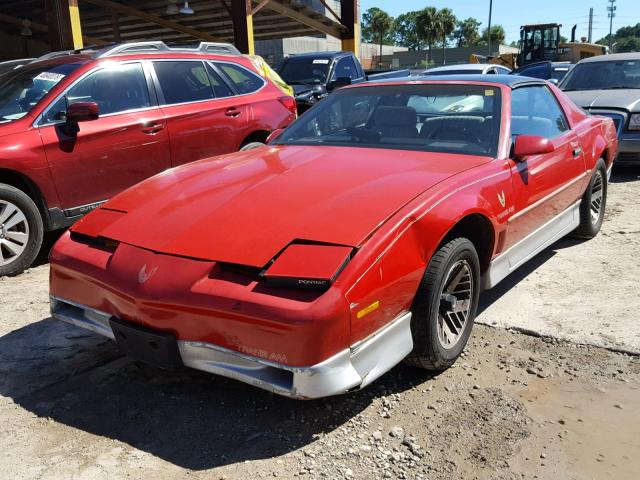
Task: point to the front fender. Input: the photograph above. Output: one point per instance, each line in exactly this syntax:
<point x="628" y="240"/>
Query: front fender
<point x="388" y="268"/>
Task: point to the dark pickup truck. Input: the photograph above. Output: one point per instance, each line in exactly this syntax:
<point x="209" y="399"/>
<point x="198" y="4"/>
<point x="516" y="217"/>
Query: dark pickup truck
<point x="314" y="75"/>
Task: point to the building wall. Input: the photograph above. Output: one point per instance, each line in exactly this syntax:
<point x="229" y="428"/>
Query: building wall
<point x="417" y="59"/>
<point x="14" y="46"/>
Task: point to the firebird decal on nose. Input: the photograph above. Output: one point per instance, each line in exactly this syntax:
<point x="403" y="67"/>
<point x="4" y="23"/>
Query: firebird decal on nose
<point x="143" y="275"/>
<point x="502" y="198"/>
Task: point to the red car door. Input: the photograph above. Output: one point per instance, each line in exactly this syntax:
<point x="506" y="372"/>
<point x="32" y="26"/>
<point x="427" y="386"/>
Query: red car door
<point x="204" y="116"/>
<point x="544" y="185"/>
<point x="126" y="144"/>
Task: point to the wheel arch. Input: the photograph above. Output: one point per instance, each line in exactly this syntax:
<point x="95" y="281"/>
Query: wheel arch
<point x="25" y="184"/>
<point x="479" y="230"/>
<point x="255" y="136"/>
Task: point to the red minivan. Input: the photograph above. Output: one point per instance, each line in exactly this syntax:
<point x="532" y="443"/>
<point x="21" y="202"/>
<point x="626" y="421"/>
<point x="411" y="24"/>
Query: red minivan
<point x="78" y="127"/>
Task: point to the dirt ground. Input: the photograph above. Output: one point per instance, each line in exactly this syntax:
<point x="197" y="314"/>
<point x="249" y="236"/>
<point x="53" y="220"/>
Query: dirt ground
<point x="516" y="405"/>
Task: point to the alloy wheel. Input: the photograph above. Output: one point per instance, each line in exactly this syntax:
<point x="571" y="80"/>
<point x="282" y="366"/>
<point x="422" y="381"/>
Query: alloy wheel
<point x="455" y="304"/>
<point x="597" y="191"/>
<point x="14" y="232"/>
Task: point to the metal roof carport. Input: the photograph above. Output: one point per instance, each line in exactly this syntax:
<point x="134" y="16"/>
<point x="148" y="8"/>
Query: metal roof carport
<point x="71" y="24"/>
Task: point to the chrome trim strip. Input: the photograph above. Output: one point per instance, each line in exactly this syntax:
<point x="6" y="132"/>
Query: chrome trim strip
<point x="531" y="245"/>
<point x="354" y="367"/>
<point x="81" y="316"/>
<point x="526" y="210"/>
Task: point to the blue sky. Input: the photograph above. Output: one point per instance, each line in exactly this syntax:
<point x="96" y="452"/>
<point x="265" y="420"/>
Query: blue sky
<point x="513" y="13"/>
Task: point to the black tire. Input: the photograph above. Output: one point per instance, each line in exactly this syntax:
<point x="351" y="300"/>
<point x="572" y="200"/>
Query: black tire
<point x="428" y="349"/>
<point x="589" y="222"/>
<point x="11" y="263"/>
<point x="251" y="146"/>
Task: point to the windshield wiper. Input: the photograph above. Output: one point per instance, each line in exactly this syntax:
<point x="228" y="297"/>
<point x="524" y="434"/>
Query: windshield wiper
<point x="620" y="87"/>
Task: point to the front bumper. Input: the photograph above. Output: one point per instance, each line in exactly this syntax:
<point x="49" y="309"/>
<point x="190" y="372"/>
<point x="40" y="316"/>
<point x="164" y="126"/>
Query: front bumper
<point x="350" y="369"/>
<point x="629" y="149"/>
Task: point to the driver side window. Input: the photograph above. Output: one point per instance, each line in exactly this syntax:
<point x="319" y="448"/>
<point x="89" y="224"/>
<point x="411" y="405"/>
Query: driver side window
<point x="115" y="89"/>
<point x="535" y="111"/>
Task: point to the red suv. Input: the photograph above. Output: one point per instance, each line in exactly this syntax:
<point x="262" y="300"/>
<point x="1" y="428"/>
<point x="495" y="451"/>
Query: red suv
<point x="79" y="127"/>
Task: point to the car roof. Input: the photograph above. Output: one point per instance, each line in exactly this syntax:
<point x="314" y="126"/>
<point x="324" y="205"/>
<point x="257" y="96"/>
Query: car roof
<point x="612" y="57"/>
<point x="508" y="80"/>
<point x="466" y="66"/>
<point x="330" y="54"/>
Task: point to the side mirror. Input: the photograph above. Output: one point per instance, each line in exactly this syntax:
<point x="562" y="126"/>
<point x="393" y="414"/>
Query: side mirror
<point x="273" y="135"/>
<point x="338" y="83"/>
<point x="82" y="112"/>
<point x="527" y="145"/>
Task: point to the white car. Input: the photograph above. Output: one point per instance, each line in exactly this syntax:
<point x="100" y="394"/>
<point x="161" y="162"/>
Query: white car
<point x="468" y="69"/>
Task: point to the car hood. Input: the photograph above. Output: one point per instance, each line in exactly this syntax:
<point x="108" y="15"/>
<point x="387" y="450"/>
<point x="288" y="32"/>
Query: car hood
<point x="627" y="99"/>
<point x="246" y="207"/>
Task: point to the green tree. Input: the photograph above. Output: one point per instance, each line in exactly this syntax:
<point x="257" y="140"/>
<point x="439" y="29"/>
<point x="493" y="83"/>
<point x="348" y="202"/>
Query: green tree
<point x="428" y="28"/>
<point x="497" y="35"/>
<point x="407" y="31"/>
<point x="377" y="25"/>
<point x="467" y="32"/>
<point x="447" y="24"/>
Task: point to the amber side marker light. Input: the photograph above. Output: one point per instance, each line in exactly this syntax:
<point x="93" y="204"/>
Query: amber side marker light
<point x="367" y="310"/>
<point x="307" y="266"/>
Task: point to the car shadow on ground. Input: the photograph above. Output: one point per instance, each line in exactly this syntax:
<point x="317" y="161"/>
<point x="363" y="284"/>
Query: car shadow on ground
<point x="191" y="419"/>
<point x="489" y="297"/>
<point x="624" y="174"/>
<point x="50" y="238"/>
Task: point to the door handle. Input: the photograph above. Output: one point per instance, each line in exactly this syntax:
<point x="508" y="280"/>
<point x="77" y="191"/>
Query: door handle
<point x="576" y="149"/>
<point x="151" y="128"/>
<point x="232" y="112"/>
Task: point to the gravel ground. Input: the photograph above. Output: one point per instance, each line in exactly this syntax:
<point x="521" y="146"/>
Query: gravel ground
<point x="515" y="406"/>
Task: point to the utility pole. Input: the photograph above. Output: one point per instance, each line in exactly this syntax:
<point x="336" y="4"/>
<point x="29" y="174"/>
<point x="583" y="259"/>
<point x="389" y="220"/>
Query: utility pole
<point x="590" y="25"/>
<point x="612" y="13"/>
<point x="489" y="27"/>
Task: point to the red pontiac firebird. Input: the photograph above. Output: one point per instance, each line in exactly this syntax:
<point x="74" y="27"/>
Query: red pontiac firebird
<point x="362" y="235"/>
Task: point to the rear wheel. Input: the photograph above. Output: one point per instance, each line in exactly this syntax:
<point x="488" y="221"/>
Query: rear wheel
<point x="20" y="230"/>
<point x="445" y="306"/>
<point x="593" y="204"/>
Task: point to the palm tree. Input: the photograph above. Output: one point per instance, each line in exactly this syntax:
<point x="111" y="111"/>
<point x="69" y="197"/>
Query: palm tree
<point x="447" y="23"/>
<point x="381" y="25"/>
<point x="427" y="26"/>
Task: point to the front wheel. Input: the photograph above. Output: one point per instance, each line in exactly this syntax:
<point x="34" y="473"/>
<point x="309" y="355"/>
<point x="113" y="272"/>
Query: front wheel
<point x="20" y="230"/>
<point x="445" y="306"/>
<point x="594" y="202"/>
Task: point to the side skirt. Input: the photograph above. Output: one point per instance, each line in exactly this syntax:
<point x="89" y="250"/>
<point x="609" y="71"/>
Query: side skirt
<point x="531" y="245"/>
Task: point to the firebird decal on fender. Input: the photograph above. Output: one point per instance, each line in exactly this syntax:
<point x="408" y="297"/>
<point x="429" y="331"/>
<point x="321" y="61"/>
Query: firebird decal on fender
<point x="143" y="275"/>
<point x="502" y="198"/>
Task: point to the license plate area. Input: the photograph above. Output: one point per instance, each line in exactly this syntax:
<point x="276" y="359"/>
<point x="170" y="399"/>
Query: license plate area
<point x="155" y="348"/>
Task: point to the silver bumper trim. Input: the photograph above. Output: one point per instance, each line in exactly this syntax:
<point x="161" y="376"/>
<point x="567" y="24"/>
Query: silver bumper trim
<point x="352" y="368"/>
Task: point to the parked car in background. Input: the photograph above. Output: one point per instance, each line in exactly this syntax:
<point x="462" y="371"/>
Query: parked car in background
<point x="468" y="69"/>
<point x="552" y="71"/>
<point x="10" y="65"/>
<point x="609" y="85"/>
<point x="78" y="128"/>
<point x="314" y="75"/>
<point x="362" y="235"/>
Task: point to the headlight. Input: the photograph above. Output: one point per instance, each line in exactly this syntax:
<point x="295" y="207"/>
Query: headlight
<point x="634" y="122"/>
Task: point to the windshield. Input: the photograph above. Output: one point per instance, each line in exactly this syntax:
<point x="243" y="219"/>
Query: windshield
<point x="23" y="88"/>
<point x="305" y="71"/>
<point x="605" y="75"/>
<point x="430" y="118"/>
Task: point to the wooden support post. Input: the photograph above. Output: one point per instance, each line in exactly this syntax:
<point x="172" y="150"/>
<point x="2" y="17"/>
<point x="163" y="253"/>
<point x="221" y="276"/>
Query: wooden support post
<point x="350" y="18"/>
<point x="63" y="19"/>
<point x="115" y="23"/>
<point x="242" y="17"/>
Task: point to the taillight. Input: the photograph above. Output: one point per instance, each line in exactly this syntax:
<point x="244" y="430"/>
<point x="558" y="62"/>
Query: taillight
<point x="290" y="104"/>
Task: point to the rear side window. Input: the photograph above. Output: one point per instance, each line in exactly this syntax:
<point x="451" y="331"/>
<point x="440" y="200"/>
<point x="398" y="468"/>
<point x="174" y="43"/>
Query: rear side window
<point x="117" y="88"/>
<point x="183" y="82"/>
<point x="346" y="68"/>
<point x="241" y="78"/>
<point x="535" y="111"/>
